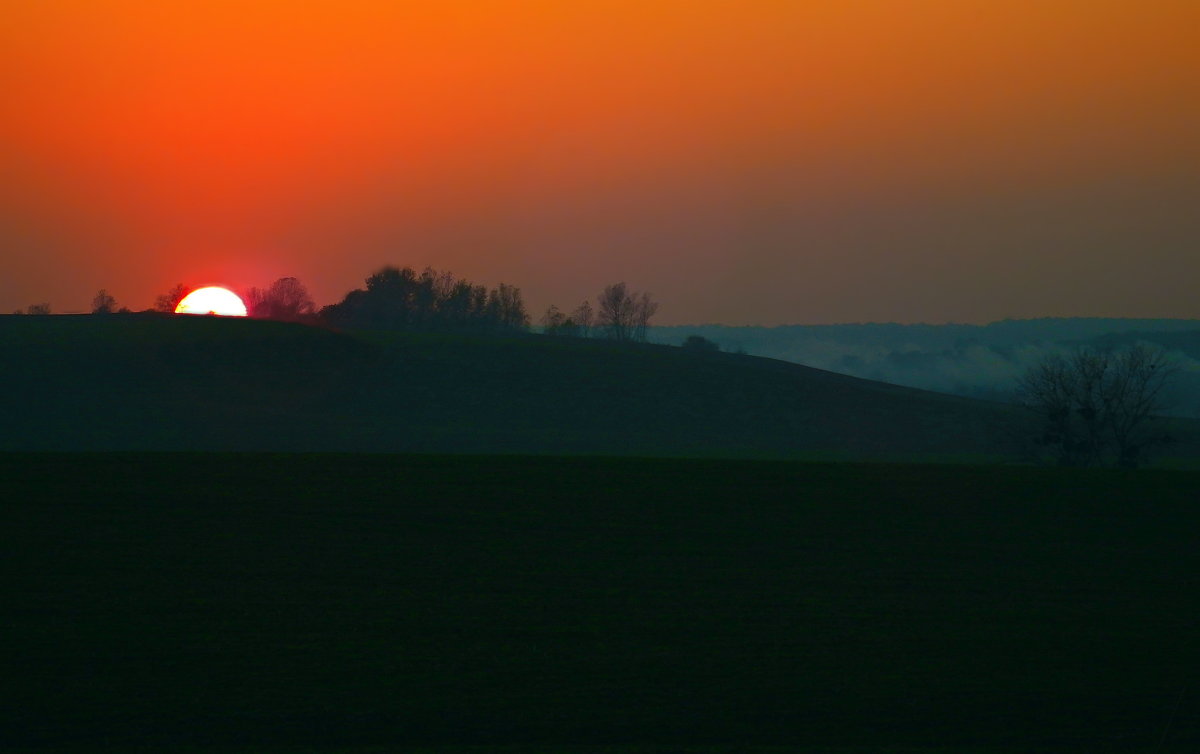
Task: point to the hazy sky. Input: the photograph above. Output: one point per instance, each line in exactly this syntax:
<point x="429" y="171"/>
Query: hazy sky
<point x="747" y="162"/>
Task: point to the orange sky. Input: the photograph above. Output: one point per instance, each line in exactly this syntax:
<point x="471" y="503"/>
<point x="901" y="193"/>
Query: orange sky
<point x="758" y="161"/>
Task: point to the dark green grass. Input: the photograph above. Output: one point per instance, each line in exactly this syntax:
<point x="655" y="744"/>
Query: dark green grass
<point x="322" y="603"/>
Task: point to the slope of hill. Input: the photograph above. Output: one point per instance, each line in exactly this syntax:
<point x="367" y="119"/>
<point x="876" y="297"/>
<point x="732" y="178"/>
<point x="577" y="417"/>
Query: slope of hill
<point x="979" y="361"/>
<point x="168" y="383"/>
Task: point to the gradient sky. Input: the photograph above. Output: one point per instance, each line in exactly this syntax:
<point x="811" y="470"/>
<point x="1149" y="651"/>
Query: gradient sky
<point x="747" y="162"/>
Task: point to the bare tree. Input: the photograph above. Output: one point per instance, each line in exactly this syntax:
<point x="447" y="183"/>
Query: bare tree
<point x="1099" y="407"/>
<point x="1135" y="396"/>
<point x="42" y="308"/>
<point x="615" y="317"/>
<point x="1047" y="389"/>
<point x="623" y="315"/>
<point x="553" y="320"/>
<point x="168" y="301"/>
<point x="286" y="299"/>
<point x="103" y="303"/>
<point x="507" y="308"/>
<point x="643" y="311"/>
<point x="577" y="325"/>
<point x="584" y="319"/>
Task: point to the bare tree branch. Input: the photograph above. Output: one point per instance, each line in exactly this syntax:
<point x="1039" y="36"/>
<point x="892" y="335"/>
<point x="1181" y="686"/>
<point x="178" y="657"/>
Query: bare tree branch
<point x="1099" y="407"/>
<point x="623" y="315"/>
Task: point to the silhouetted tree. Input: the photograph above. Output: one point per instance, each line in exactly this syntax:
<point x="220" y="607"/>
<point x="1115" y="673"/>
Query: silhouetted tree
<point x="42" y="308"/>
<point x="577" y="325"/>
<point x="552" y="321"/>
<point x="646" y="309"/>
<point x="103" y="303"/>
<point x="399" y="299"/>
<point x="624" y="315"/>
<point x="168" y="301"/>
<point x="286" y="299"/>
<point x="582" y="319"/>
<point x="1098" y="407"/>
<point x="700" y="343"/>
<point x="506" y="308"/>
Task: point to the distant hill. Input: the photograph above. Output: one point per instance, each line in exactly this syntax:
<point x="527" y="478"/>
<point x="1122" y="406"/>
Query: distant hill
<point x="979" y="361"/>
<point x="194" y="383"/>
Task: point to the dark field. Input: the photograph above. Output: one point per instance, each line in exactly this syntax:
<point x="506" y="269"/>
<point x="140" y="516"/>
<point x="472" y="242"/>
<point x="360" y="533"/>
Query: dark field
<point x="334" y="603"/>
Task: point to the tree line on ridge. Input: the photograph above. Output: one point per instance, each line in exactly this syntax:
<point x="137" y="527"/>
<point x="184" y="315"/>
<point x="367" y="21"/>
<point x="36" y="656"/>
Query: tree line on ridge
<point x="400" y="298"/>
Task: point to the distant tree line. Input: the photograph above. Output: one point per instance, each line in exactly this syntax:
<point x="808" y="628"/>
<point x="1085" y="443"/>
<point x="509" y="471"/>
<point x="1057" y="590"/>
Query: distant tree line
<point x="399" y="298"/>
<point x="402" y="299"/>
<point x="103" y="303"/>
<point x="620" y="314"/>
<point x="394" y="298"/>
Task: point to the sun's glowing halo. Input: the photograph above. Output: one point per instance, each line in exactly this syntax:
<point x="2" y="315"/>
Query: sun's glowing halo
<point x="212" y="299"/>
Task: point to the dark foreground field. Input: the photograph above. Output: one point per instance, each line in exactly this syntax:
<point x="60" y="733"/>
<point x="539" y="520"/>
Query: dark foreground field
<point x="334" y="603"/>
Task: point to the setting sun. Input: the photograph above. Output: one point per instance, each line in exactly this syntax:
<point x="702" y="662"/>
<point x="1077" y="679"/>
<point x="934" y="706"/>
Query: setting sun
<point x="212" y="300"/>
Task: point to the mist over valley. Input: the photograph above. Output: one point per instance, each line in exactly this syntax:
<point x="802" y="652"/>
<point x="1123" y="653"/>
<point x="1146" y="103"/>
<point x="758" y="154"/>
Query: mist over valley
<point x="977" y="361"/>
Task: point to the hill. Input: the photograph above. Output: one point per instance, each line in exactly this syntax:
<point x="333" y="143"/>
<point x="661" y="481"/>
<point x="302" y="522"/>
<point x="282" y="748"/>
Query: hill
<point x="360" y="603"/>
<point x="176" y="383"/>
<point x="979" y="361"/>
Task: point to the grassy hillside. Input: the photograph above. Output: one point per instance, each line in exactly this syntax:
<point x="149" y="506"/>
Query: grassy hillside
<point x="196" y="383"/>
<point x="331" y="602"/>
<point x="977" y="361"/>
<point x="83" y="383"/>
